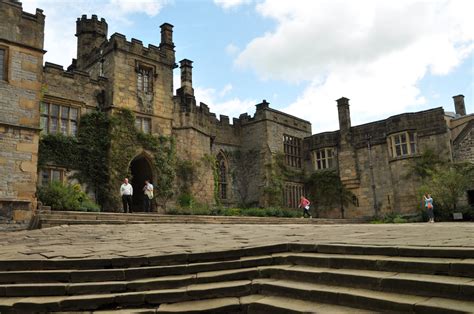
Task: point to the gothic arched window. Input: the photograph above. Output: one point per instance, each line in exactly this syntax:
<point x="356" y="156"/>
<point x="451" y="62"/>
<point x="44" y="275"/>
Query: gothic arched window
<point x="222" y="177"/>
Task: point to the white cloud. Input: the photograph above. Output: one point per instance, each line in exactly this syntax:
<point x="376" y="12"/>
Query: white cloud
<point x="149" y="7"/>
<point x="227" y="88"/>
<point x="373" y="52"/>
<point x="230" y="4"/>
<point x="231" y="49"/>
<point x="60" y="25"/>
<point x="218" y="104"/>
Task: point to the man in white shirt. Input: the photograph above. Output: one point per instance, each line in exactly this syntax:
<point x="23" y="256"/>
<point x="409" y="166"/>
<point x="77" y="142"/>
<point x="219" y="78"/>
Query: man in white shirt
<point x="148" y="191"/>
<point x="126" y="191"/>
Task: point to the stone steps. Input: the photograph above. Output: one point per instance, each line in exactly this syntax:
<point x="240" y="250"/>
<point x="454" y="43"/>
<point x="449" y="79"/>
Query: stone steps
<point x="57" y="218"/>
<point x="429" y="285"/>
<point x="258" y="279"/>
<point x="365" y="298"/>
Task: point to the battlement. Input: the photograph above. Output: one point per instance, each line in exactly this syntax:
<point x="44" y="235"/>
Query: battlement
<point x="119" y="41"/>
<point x="424" y="123"/>
<point x="21" y="27"/>
<point x="93" y="26"/>
<point x="76" y="75"/>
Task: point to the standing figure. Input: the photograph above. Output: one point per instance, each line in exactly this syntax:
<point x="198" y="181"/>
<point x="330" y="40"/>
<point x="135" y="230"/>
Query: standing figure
<point x="126" y="191"/>
<point x="429" y="206"/>
<point x="148" y="191"/>
<point x="304" y="203"/>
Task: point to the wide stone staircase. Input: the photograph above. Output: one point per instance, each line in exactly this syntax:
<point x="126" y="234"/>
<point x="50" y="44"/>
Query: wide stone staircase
<point x="282" y="278"/>
<point x="46" y="219"/>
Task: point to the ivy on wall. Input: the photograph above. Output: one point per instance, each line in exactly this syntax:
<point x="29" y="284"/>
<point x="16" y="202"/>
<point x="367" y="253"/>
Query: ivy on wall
<point x="278" y="172"/>
<point x="327" y="191"/>
<point x="102" y="152"/>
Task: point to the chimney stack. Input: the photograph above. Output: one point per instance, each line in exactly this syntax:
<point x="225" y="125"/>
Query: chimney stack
<point x="344" y="114"/>
<point x="459" y="106"/>
<point x="186" y="67"/>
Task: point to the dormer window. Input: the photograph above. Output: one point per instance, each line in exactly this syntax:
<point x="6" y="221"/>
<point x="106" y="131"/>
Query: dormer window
<point x="402" y="144"/>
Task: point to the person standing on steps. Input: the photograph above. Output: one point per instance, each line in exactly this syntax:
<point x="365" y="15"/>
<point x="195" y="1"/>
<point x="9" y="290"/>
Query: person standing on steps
<point x="148" y="191"/>
<point x="304" y="203"/>
<point x="429" y="206"/>
<point x="126" y="191"/>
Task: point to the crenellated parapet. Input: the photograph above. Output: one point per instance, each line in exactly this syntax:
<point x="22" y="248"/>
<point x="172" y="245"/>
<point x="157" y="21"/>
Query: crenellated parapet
<point x="21" y="27"/>
<point x="75" y="86"/>
<point x="93" y="45"/>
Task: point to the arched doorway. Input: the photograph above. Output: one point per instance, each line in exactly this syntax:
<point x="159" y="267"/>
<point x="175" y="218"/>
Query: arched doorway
<point x="140" y="169"/>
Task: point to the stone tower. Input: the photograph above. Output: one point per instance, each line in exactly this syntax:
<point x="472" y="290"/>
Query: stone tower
<point x="91" y="34"/>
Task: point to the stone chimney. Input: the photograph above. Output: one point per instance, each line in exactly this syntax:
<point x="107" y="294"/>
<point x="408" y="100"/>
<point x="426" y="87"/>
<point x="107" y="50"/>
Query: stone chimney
<point x="186" y="67"/>
<point x="344" y="114"/>
<point x="167" y="36"/>
<point x="459" y="105"/>
<point x="263" y="105"/>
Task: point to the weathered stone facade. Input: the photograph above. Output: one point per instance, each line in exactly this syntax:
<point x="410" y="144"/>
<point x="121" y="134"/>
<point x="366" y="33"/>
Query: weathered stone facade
<point x="21" y="44"/>
<point x="114" y="73"/>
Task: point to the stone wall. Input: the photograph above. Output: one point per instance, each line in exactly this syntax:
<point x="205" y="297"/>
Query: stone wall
<point x="75" y="88"/>
<point x="21" y="36"/>
<point x="396" y="190"/>
<point x="463" y="146"/>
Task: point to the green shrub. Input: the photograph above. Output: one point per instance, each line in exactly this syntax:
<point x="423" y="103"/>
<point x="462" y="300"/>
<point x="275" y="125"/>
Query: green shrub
<point x="232" y="212"/>
<point x="65" y="197"/>
<point x="200" y="209"/>
<point x="389" y="218"/>
<point x="185" y="200"/>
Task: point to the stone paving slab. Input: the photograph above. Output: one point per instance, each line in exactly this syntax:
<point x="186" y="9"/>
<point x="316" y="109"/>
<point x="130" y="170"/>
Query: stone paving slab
<point x="111" y="241"/>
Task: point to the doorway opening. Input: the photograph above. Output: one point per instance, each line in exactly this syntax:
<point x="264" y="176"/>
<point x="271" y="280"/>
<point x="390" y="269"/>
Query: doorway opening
<point x="141" y="170"/>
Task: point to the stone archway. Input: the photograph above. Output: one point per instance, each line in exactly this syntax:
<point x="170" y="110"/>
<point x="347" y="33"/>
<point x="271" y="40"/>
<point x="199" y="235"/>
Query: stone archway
<point x="141" y="170"/>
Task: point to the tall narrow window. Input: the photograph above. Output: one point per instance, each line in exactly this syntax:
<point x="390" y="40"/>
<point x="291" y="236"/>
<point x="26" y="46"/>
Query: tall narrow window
<point x="292" y="150"/>
<point x="3" y="67"/>
<point x="323" y="158"/>
<point x="222" y="177"/>
<point x="144" y="80"/>
<point x="292" y="194"/>
<point x="58" y="119"/>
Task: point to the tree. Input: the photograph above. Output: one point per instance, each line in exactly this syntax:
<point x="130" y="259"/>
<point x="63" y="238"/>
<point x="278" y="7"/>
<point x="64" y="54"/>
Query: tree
<point x="327" y="191"/>
<point x="448" y="183"/>
<point x="425" y="164"/>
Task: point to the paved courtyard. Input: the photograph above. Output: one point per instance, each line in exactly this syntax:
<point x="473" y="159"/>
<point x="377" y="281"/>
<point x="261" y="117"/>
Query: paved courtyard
<point x="107" y="241"/>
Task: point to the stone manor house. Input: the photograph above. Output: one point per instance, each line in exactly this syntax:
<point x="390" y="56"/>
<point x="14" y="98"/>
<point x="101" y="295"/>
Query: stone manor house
<point x="111" y="73"/>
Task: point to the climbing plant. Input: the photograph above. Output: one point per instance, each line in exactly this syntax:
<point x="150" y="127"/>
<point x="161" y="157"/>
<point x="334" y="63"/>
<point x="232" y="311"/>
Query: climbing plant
<point x="326" y="191"/>
<point x="102" y="151"/>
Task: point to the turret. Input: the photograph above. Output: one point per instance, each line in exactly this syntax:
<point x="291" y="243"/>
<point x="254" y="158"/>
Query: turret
<point x="91" y="34"/>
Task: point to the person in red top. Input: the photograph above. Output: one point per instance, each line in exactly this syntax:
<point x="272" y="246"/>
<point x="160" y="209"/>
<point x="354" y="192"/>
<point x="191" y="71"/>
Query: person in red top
<point x="304" y="203"/>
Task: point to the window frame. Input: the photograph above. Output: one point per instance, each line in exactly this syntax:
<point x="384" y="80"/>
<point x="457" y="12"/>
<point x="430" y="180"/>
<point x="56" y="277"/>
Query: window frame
<point x="140" y="125"/>
<point x="402" y="144"/>
<point x="146" y="87"/>
<point x="49" y="117"/>
<point x="292" y="193"/>
<point x="4" y="64"/>
<point x="292" y="148"/>
<point x="326" y="158"/>
<point x="50" y="171"/>
<point x="222" y="177"/>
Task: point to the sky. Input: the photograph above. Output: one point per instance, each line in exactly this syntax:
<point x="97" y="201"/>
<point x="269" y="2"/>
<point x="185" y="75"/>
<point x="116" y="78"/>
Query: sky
<point x="387" y="57"/>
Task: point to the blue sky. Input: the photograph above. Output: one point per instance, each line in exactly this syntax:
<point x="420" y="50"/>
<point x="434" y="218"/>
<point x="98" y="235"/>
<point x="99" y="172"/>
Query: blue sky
<point x="387" y="57"/>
